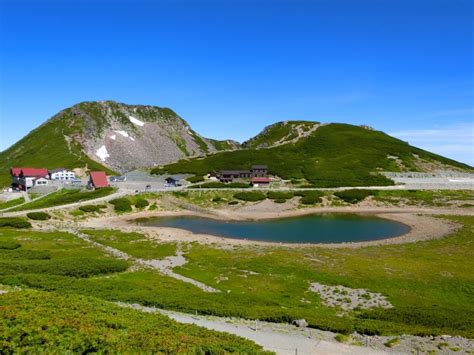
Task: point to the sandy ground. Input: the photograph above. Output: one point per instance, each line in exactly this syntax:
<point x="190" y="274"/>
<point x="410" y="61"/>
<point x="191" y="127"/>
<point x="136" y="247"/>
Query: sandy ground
<point x="287" y="339"/>
<point x="281" y="339"/>
<point x="421" y="221"/>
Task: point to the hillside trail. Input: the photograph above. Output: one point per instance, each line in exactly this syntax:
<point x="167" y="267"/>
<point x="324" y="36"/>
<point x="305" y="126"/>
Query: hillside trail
<point x="163" y="266"/>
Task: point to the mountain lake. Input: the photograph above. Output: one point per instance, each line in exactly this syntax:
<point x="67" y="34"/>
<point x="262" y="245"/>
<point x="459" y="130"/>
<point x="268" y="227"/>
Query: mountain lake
<point x="320" y="228"/>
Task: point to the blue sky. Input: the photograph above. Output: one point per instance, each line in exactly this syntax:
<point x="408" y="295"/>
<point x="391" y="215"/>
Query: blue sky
<point x="231" y="67"/>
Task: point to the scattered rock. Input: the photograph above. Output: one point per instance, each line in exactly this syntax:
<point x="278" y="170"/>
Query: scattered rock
<point x="302" y="323"/>
<point x="349" y="298"/>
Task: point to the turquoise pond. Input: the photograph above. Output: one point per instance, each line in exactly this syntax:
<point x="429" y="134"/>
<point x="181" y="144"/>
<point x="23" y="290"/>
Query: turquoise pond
<point x="322" y="228"/>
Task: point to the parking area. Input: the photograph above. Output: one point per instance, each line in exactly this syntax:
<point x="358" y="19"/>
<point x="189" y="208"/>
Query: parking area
<point x="139" y="180"/>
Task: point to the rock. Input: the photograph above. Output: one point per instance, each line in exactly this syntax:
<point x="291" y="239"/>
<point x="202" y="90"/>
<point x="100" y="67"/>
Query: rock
<point x="302" y="323"/>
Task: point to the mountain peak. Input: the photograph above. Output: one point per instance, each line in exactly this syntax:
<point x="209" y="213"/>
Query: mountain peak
<point x="282" y="132"/>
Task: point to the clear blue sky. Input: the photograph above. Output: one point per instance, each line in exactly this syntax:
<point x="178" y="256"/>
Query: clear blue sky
<point x="231" y="67"/>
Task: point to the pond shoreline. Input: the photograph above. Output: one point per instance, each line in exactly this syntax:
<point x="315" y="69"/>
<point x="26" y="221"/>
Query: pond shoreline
<point x="423" y="226"/>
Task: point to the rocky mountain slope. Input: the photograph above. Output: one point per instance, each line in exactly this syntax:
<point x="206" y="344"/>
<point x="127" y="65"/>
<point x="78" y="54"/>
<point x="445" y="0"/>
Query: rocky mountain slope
<point x="110" y="136"/>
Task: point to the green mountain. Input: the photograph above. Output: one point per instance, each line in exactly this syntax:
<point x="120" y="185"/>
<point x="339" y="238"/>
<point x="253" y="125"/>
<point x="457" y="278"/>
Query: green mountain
<point x="108" y="136"/>
<point x="116" y="137"/>
<point x="326" y="155"/>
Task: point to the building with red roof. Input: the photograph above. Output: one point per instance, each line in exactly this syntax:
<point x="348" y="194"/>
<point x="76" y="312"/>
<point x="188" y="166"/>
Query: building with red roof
<point x="97" y="180"/>
<point x="24" y="178"/>
<point x="261" y="181"/>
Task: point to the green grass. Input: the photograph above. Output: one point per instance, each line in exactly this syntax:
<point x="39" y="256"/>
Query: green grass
<point x="433" y="198"/>
<point x="271" y="283"/>
<point x="276" y="133"/>
<point x="11" y="203"/>
<point x="334" y="155"/>
<point x="134" y="244"/>
<point x="64" y="197"/>
<point x="48" y="322"/>
<point x="55" y="253"/>
<point x="250" y="196"/>
<point x="221" y="145"/>
<point x="14" y="222"/>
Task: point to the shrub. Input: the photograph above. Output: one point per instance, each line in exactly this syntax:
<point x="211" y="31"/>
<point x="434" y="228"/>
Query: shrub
<point x="38" y="216"/>
<point x="9" y="245"/>
<point x="280" y="195"/>
<point x="279" y="200"/>
<point x="342" y="338"/>
<point x="250" y="196"/>
<point x="392" y="342"/>
<point x="194" y="179"/>
<point x="233" y="202"/>
<point x="217" y="199"/>
<point x="122" y="204"/>
<point x="354" y="195"/>
<point x="311" y="199"/>
<point x="153" y="207"/>
<point x="141" y="203"/>
<point x="222" y="185"/>
<point x="14" y="222"/>
<point x="91" y="208"/>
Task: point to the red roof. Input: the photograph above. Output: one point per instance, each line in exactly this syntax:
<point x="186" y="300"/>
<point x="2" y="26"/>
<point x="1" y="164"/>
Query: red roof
<point x="30" y="172"/>
<point x="99" y="179"/>
<point x="260" y="179"/>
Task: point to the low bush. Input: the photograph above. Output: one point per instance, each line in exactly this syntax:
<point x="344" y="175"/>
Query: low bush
<point x="279" y="200"/>
<point x="354" y="195"/>
<point x="122" y="204"/>
<point x="9" y="245"/>
<point x="217" y="199"/>
<point x="38" y="216"/>
<point x="233" y="202"/>
<point x="141" y="203"/>
<point x="72" y="267"/>
<point x="92" y="208"/>
<point x="222" y="185"/>
<point x="194" y="179"/>
<point x="153" y="207"/>
<point x="311" y="200"/>
<point x="14" y="222"/>
<point x="280" y="195"/>
<point x="250" y="196"/>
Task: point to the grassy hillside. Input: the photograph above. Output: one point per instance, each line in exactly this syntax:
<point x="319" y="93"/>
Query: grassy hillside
<point x="278" y="133"/>
<point x="333" y="155"/>
<point x="47" y="147"/>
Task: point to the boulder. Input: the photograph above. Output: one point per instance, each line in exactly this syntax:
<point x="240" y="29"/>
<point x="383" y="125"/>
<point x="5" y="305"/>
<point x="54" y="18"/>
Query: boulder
<point x="302" y="323"/>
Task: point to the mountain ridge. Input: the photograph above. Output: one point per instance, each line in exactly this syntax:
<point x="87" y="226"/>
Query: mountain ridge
<point x="117" y="137"/>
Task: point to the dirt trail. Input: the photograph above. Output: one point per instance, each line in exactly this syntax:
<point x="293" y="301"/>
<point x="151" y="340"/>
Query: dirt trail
<point x="164" y="266"/>
<point x="283" y="339"/>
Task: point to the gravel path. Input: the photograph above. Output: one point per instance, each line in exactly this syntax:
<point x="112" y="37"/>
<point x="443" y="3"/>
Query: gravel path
<point x="164" y="266"/>
<point x="283" y="339"/>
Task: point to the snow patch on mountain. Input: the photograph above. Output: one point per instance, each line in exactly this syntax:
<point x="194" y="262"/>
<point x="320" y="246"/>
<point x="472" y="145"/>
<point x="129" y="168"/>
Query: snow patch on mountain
<point x="102" y="153"/>
<point x="126" y="135"/>
<point x="136" y="121"/>
<point x="123" y="133"/>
